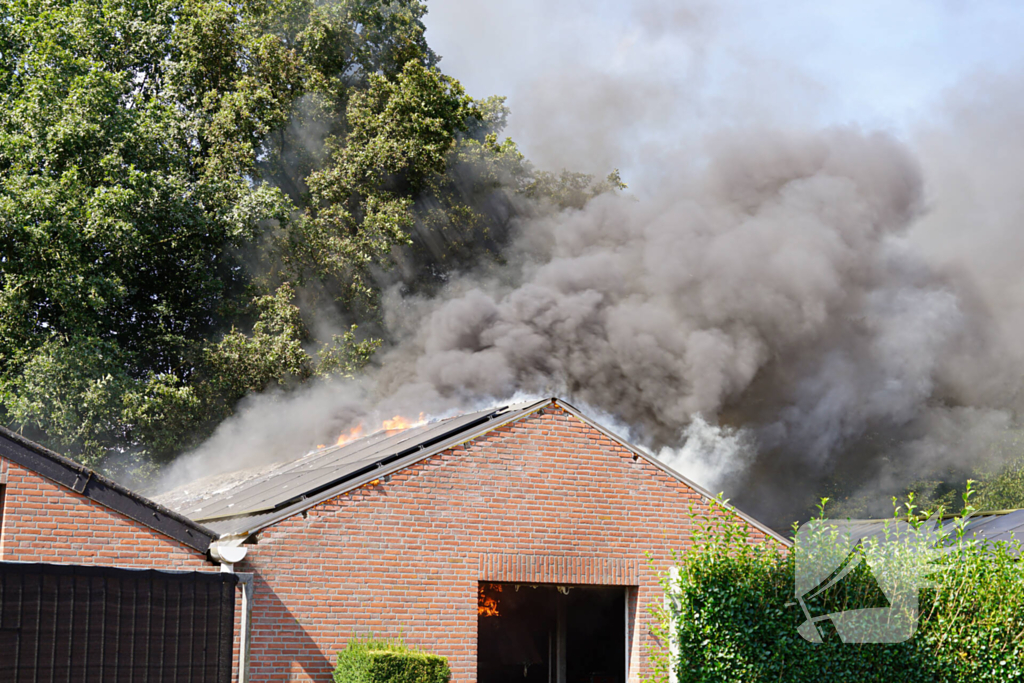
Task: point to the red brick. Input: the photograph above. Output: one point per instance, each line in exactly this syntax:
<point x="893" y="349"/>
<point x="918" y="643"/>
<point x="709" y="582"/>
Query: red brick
<point x="407" y="563"/>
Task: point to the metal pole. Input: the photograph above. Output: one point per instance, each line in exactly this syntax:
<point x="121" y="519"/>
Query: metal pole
<point x="245" y="640"/>
<point x="560" y="649"/>
<point x="551" y="648"/>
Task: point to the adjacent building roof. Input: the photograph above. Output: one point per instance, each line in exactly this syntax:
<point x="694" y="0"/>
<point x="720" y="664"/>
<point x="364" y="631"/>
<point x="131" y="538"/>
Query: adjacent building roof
<point x="242" y="503"/>
<point x="994" y="527"/>
<point x="91" y="485"/>
<point x="984" y="527"/>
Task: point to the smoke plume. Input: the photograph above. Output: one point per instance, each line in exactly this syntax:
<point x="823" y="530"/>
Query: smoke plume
<point x="777" y="293"/>
<point x="782" y="308"/>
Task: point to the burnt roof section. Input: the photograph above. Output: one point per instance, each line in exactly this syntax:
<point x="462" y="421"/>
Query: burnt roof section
<point x="242" y="503"/>
<point x="247" y="501"/>
<point x="108" y="493"/>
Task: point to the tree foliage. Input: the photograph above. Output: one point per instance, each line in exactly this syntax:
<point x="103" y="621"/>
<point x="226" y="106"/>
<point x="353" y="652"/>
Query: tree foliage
<point x="177" y="175"/>
<point x="401" y="134"/>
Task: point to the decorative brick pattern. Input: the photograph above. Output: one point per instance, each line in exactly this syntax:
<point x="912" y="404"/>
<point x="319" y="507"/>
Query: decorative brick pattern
<point x="563" y="569"/>
<point x="404" y="558"/>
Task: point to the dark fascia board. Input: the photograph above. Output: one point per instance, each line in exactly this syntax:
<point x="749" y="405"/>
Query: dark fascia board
<point x="671" y="472"/>
<point x="106" y="492"/>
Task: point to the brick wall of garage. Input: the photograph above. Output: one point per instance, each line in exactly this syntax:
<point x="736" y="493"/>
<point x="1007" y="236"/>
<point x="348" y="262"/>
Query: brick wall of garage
<point x="46" y="522"/>
<point x="547" y="498"/>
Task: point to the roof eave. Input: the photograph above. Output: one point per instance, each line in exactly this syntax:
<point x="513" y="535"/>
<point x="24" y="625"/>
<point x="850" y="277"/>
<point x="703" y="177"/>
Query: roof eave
<point x="104" y="491"/>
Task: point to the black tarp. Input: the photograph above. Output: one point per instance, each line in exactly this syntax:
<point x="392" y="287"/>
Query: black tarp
<point x="75" y="623"/>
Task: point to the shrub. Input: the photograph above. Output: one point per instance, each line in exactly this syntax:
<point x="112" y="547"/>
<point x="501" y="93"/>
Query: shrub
<point x="387" y="661"/>
<point x="729" y="609"/>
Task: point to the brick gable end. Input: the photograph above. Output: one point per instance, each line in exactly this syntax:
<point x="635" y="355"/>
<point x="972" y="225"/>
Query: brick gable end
<point x="545" y="499"/>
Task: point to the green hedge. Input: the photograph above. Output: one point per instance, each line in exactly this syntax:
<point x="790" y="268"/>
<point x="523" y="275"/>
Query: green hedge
<point x="385" y="661"/>
<point x="729" y="615"/>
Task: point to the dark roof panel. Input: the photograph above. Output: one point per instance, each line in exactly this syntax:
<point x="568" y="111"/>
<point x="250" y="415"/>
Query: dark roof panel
<point x="250" y="499"/>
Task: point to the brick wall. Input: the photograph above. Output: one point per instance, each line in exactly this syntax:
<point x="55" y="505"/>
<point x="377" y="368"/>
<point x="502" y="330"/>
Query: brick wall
<point x="46" y="522"/>
<point x="546" y="499"/>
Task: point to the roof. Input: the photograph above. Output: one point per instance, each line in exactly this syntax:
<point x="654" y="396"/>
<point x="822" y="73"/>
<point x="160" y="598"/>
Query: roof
<point x="96" y="487"/>
<point x="995" y="527"/>
<point x="1001" y="526"/>
<point x="244" y="502"/>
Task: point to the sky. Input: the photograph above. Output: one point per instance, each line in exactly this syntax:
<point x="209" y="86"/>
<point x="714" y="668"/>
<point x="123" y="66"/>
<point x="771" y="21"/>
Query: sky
<point x="595" y="84"/>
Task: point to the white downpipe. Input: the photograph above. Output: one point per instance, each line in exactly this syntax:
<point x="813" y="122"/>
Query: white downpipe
<point x="229" y="552"/>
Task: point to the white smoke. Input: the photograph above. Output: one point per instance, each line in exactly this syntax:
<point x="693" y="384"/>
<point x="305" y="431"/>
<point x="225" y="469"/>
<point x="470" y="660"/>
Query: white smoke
<point x="711" y="453"/>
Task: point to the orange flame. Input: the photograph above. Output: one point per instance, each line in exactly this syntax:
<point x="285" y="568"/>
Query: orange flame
<point x="395" y="424"/>
<point x="350" y="435"/>
<point x="486" y="605"/>
<point x="398" y="423"/>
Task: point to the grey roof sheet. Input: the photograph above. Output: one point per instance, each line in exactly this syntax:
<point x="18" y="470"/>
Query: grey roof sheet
<point x="991" y="527"/>
<point x="999" y="527"/>
<point x="249" y="500"/>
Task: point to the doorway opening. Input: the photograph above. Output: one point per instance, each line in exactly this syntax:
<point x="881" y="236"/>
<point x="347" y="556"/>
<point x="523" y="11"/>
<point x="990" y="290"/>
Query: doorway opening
<point x="542" y="633"/>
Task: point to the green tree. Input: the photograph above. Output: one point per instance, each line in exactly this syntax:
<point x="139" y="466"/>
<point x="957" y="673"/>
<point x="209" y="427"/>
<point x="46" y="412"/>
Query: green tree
<point x="402" y="131"/>
<point x="134" y="141"/>
<point x="175" y="173"/>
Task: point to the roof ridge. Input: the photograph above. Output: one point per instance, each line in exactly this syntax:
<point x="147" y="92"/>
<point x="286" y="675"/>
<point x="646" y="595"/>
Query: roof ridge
<point x="252" y="515"/>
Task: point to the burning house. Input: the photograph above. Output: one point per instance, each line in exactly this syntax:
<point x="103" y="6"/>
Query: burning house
<point x="513" y="541"/>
